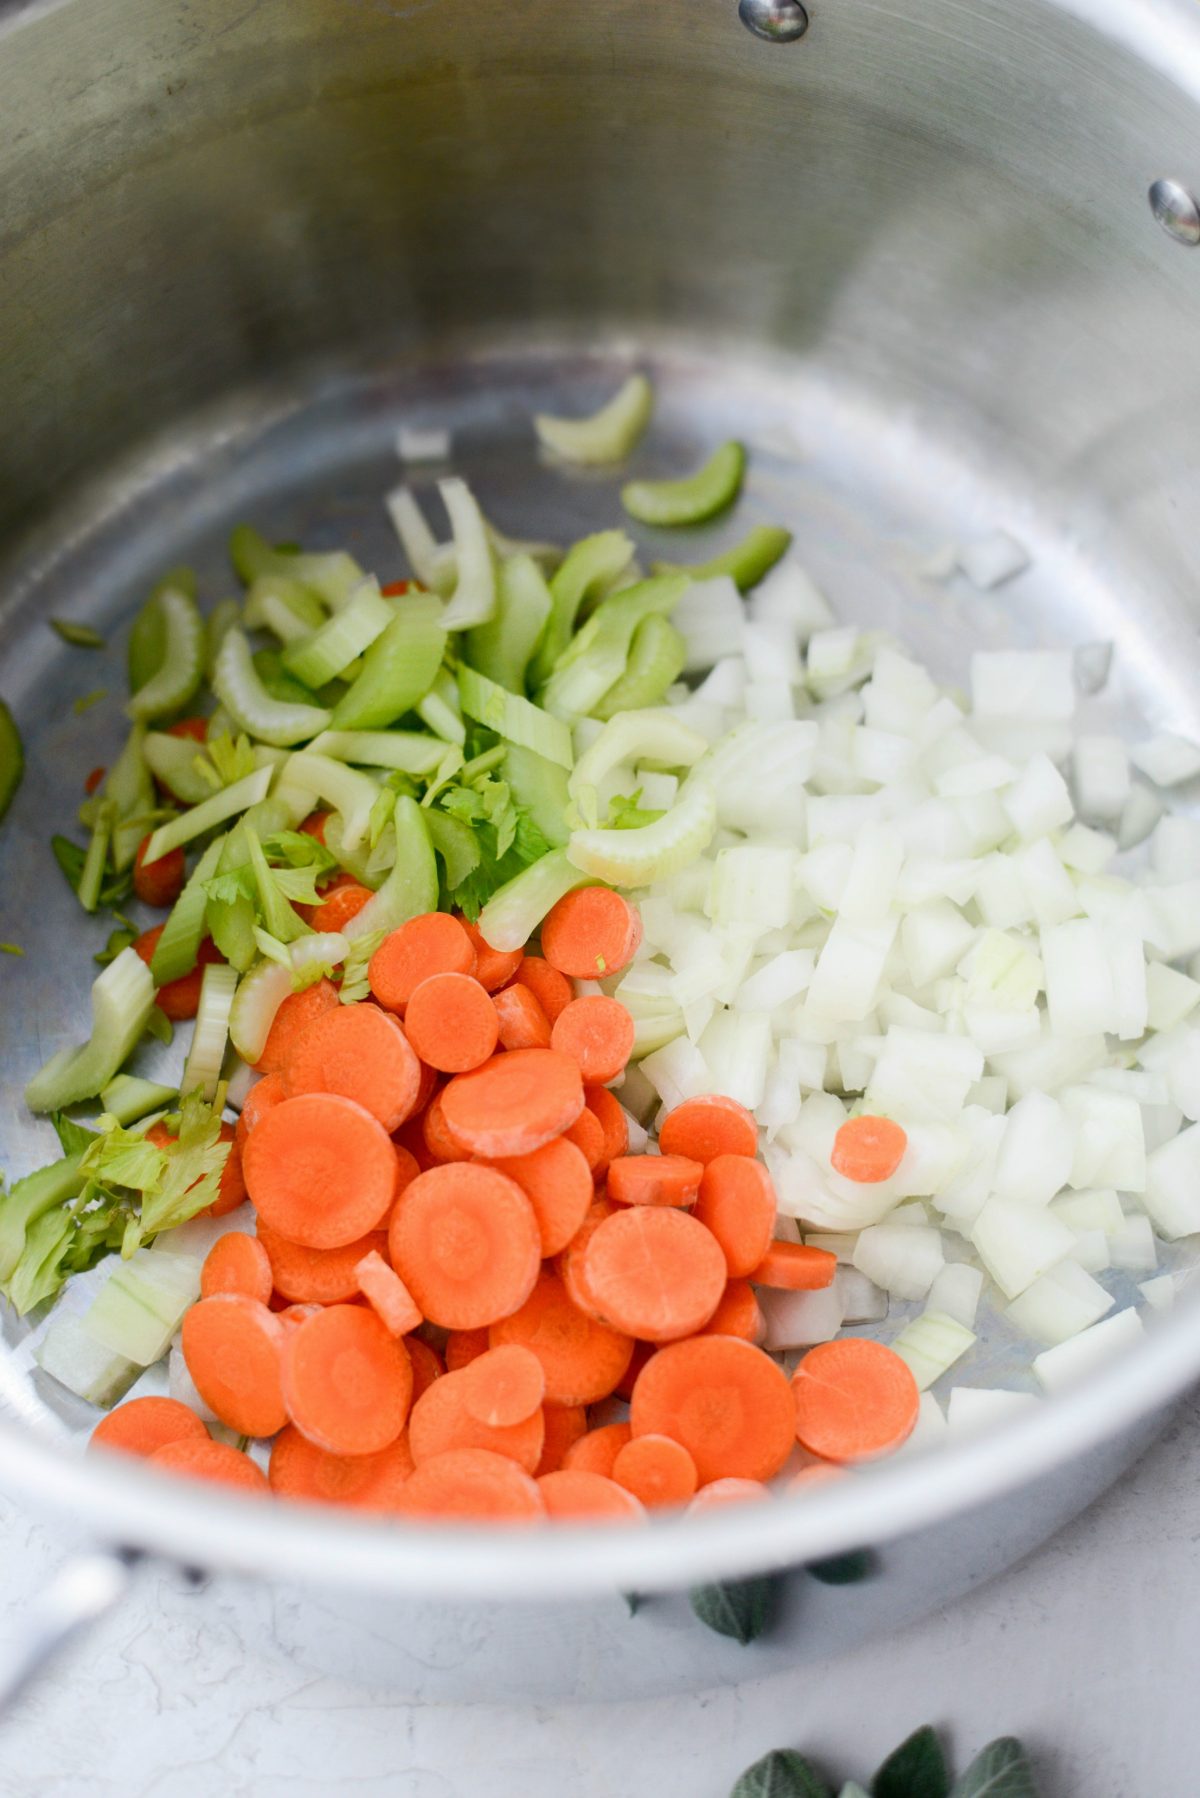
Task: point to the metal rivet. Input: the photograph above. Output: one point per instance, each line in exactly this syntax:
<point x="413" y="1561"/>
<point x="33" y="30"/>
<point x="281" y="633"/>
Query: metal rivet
<point x="1176" y="210"/>
<point x="778" y="21"/>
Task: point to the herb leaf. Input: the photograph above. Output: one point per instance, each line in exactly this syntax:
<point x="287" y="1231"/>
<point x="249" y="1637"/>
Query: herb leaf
<point x="121" y="938"/>
<point x="843" y="1570"/>
<point x="355" y="984"/>
<point x="72" y="1137"/>
<point x="917" y="1769"/>
<point x="781" y="1774"/>
<point x="737" y="1608"/>
<point x="626" y="812"/>
<point x="114" y="889"/>
<point x="80" y="636"/>
<point x="1001" y="1770"/>
<point x="87" y="700"/>
<point x="11" y="949"/>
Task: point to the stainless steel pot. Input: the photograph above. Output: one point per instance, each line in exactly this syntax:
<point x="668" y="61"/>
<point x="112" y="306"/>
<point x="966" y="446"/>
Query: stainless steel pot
<point x="908" y="256"/>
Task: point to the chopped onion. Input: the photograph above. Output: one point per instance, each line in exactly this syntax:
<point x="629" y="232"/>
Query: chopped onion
<point x="1071" y="1360"/>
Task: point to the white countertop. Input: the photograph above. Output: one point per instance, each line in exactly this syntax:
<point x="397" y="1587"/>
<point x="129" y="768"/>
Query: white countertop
<point x="1087" y="1651"/>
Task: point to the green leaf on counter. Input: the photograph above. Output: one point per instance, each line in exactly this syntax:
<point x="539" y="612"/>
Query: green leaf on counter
<point x="737" y="1608"/>
<point x="781" y="1774"/>
<point x="1001" y="1770"/>
<point x="917" y="1769"/>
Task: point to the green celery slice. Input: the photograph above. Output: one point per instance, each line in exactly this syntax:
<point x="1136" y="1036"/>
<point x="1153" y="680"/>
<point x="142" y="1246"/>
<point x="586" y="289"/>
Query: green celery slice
<point x="342" y="639"/>
<point x="259" y="995"/>
<point x="404" y="751"/>
<point x="502" y="647"/>
<point x="173" y="761"/>
<point x="609" y="435"/>
<point x="514" y="718"/>
<point x="587" y="572"/>
<point x="474" y="598"/>
<point x="455" y="842"/>
<point x="514" y="911"/>
<point x="128" y="1098"/>
<point x="282" y="606"/>
<point x="12" y="758"/>
<point x="148" y="633"/>
<point x="230" y="922"/>
<point x="412" y="886"/>
<point x="181" y="671"/>
<point x="333" y="575"/>
<point x="222" y="618"/>
<point x="597" y="655"/>
<point x="702" y="495"/>
<point x="237" y="685"/>
<point x="634" y="737"/>
<point x="83" y="1365"/>
<point x="131" y="790"/>
<point x="746" y="563"/>
<point x="441" y="710"/>
<point x="635" y="858"/>
<point x="398" y="669"/>
<point x="142" y="1304"/>
<point x="122" y="1000"/>
<point x="202" y="1070"/>
<point x="96" y="860"/>
<point x="540" y="787"/>
<point x="178" y="947"/>
<point x="225" y="804"/>
<point x="657" y="657"/>
<point x="31" y="1198"/>
<point x="350" y="792"/>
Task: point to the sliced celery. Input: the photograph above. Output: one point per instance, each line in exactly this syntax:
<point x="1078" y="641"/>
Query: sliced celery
<point x="237" y="685"/>
<point x="96" y="860"/>
<point x="12" y="758"/>
<point x="175" y="762"/>
<point x="540" y="788"/>
<point x="456" y="843"/>
<point x="474" y="598"/>
<point x="342" y="639"/>
<point x="179" y="945"/>
<point x="357" y="862"/>
<point x="588" y="571"/>
<point x="746" y="563"/>
<point x="128" y="1098"/>
<point x="405" y="751"/>
<point x="278" y="604"/>
<point x="514" y="718"/>
<point x="609" y="435"/>
<point x="202" y="1070"/>
<point x="280" y="918"/>
<point x="181" y="671"/>
<point x="225" y="804"/>
<point x="350" y="792"/>
<point x="634" y="858"/>
<point x="657" y="657"/>
<point x="417" y="540"/>
<point x="702" y="495"/>
<point x="131" y="790"/>
<point x="441" y="710"/>
<point x="222" y="618"/>
<point x="412" y="886"/>
<point x="84" y="1366"/>
<point x="30" y="1199"/>
<point x="259" y="995"/>
<point x="122" y="1000"/>
<point x="515" y="910"/>
<point x="142" y="1304"/>
<point x="502" y="647"/>
<point x="398" y="669"/>
<point x="332" y="576"/>
<point x="633" y="737"/>
<point x="148" y="633"/>
<point x="597" y="655"/>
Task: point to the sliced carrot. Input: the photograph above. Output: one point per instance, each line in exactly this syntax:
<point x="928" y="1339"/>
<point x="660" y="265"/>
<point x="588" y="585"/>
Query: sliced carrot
<point x="816" y="1475"/>
<point x="434" y="943"/>
<point x="464" y="1346"/>
<point x="320" y="1170"/>
<point x="504" y="1386"/>
<point x="571" y="1266"/>
<point x="431" y="1083"/>
<point x="520" y="1020"/>
<point x="297" y="1012"/>
<point x="564" y="1424"/>
<point x="552" y="990"/>
<point x="314" y="825"/>
<point x="465" y="1242"/>
<point x="738" y="1313"/>
<point x="142" y="1426"/>
<point x="572" y="1492"/>
<point x="704" y="1128"/>
<point x="642" y="1352"/>
<point x="654" y="1180"/>
<point x="361" y="1053"/>
<point x="474" y="1485"/>
<point x="196" y="728"/>
<point x="214" y="1461"/>
<point x="231" y="1191"/>
<point x="597" y="1033"/>
<point x="94" y="780"/>
<point x="587" y="1134"/>
<point x="237" y="1263"/>
<point x="441" y="1422"/>
<point x="494" y="968"/>
<point x="387" y="1295"/>
<point x="656" y="1469"/>
<point x="317" y="1276"/>
<point x="263" y="1096"/>
<point x="291" y="1315"/>
<point x="607" y="1110"/>
<point x="439" y="1140"/>
<point x="583" y="1360"/>
<point x="179" y="999"/>
<point x="338" y="907"/>
<point x="868" y="1149"/>
<point x="727" y="1402"/>
<point x="654" y="1273"/>
<point x="397" y="589"/>
<point x="598" y="1450"/>
<point x="514" y="1103"/>
<point x="161" y="883"/>
<point x="558" y="1184"/>
<point x="591" y="933"/>
<point x="451" y="1023"/>
<point x="795" y="1267"/>
<point x="407" y="1169"/>
<point x="737" y="1203"/>
<point x="854" y="1399"/>
<point x="232" y="1347"/>
<point x="728" y="1492"/>
<point x="427" y="1365"/>
<point x="301" y="1470"/>
<point x="346" y="1383"/>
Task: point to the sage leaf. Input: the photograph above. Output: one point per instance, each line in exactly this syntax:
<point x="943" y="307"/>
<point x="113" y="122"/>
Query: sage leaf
<point x="634" y="1602"/>
<point x="781" y="1774"/>
<point x="843" y="1570"/>
<point x="739" y="1608"/>
<point x="1001" y="1770"/>
<point x="917" y="1769"/>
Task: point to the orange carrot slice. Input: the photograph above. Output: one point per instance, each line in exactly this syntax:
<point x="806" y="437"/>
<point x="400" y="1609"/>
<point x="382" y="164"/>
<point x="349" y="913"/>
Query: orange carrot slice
<point x="607" y="1110"/>
<point x="855" y="1399"/>
<point x="142" y="1426"/>
<point x="727" y="1402"/>
<point x="473" y="1485"/>
<point x="582" y="1359"/>
<point x="868" y="1149"/>
<point x="520" y="1020"/>
<point x="654" y="1273"/>
<point x="316" y="1276"/>
<point x="587" y="1134"/>
<point x="465" y="1346"/>
<point x="213" y="1461"/>
<point x="434" y="943"/>
<point x="591" y="933"/>
<point x="656" y="1469"/>
<point x="706" y="1127"/>
<point x="387" y="1295"/>
<point x="452" y="1023"/>
<point x="494" y="968"/>
<point x="237" y="1263"/>
<point x="598" y="1034"/>
<point x="338" y="907"/>
<point x="738" y="1313"/>
<point x="320" y="1170"/>
<point x="440" y="1142"/>
<point x="465" y="1242"/>
<point x="361" y="1053"/>
<point x="346" y="1383"/>
<point x="654" y="1180"/>
<point x="795" y="1267"/>
<point x="300" y="1470"/>
<point x="737" y="1203"/>
<point x="297" y="1012"/>
<point x="571" y="1492"/>
<point x="504" y="1386"/>
<point x="441" y="1422"/>
<point x="232" y="1348"/>
<point x="564" y="1425"/>
<point x="514" y="1103"/>
<point x="597" y="1451"/>
<point x="728" y="1492"/>
<point x="558" y="1184"/>
<point x="571" y="1265"/>
<point x="427" y="1365"/>
<point x="552" y="990"/>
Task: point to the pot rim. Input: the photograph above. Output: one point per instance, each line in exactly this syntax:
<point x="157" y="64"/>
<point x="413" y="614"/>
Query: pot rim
<point x="195" y="1525"/>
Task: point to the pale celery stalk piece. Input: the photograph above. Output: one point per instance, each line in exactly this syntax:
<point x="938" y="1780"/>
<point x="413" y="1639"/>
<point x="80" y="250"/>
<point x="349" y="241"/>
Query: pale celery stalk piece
<point x="178" y="678"/>
<point x="331" y="574"/>
<point x="331" y="649"/>
<point x="237" y="685"/>
<point x="746" y="563"/>
<point x="416" y="539"/>
<point x="598" y="655"/>
<point x="712" y="489"/>
<point x="350" y="792"/>
<point x="515" y="910"/>
<point x="657" y="658"/>
<point x="122" y="1000"/>
<point x="412" y="886"/>
<point x="222" y="618"/>
<point x="283" y="607"/>
<point x="175" y="761"/>
<point x="588" y="571"/>
<point x="259" y="995"/>
<point x="223" y="805"/>
<point x="178" y="946"/>
<point x="441" y="709"/>
<point x="541" y="788"/>
<point x="634" y="737"/>
<point x="142" y="1304"/>
<point x="474" y="598"/>
<point x="96" y="860"/>
<point x="404" y="751"/>
<point x="128" y="1098"/>
<point x="514" y="718"/>
<point x="502" y="647"/>
<point x="635" y="858"/>
<point x="73" y="1357"/>
<point x="131" y="790"/>
<point x="609" y="435"/>
<point x="202" y="1070"/>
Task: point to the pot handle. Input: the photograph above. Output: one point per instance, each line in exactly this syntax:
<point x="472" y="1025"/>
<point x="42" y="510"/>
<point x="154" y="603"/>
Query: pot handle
<point x="85" y="1589"/>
